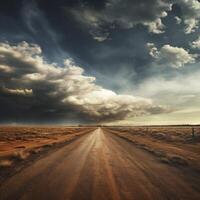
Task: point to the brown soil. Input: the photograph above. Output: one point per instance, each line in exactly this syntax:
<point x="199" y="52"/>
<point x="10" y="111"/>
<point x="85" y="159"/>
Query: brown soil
<point x="102" y="165"/>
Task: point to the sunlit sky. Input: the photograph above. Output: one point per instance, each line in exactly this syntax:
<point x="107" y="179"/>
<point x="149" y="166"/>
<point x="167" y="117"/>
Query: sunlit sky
<point x="110" y="61"/>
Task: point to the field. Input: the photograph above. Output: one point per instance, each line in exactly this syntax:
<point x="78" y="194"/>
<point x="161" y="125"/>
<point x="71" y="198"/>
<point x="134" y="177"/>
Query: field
<point x="172" y="145"/>
<point x="19" y="144"/>
<point x="107" y="163"/>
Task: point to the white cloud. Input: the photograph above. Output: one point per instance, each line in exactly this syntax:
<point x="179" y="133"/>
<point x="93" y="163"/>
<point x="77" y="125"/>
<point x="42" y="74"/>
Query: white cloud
<point x="174" y="57"/>
<point x="100" y="38"/>
<point x="104" y="104"/>
<point x="5" y="68"/>
<point x="190" y="14"/>
<point x="178" y="20"/>
<point x="23" y="92"/>
<point x="156" y="26"/>
<point x="66" y="86"/>
<point x="196" y="44"/>
<point x="180" y="92"/>
<point x="153" y="51"/>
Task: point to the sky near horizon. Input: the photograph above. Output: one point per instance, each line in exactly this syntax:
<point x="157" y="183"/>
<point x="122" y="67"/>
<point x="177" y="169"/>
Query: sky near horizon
<point x="109" y="61"/>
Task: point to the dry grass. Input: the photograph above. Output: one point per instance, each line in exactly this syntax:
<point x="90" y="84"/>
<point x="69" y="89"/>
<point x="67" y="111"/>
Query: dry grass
<point x="171" y="145"/>
<point x="19" y="143"/>
<point x="20" y="155"/>
<point x="5" y="163"/>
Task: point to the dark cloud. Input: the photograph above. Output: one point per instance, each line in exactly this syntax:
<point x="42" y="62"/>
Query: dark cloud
<point x="126" y="14"/>
<point x="108" y="40"/>
<point x="190" y="13"/>
<point x="123" y="14"/>
<point x="36" y="89"/>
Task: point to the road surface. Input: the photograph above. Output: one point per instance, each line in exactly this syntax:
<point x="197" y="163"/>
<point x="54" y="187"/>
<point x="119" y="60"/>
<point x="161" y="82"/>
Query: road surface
<point x="100" y="166"/>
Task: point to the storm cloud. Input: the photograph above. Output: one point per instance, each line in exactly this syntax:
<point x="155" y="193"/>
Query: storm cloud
<point x="190" y="10"/>
<point x="26" y="75"/>
<point x="92" y="61"/>
<point x="120" y="14"/>
<point x="126" y="14"/>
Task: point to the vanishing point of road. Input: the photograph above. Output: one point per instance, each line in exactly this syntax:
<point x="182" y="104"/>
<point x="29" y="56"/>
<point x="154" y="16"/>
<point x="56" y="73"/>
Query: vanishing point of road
<point x="100" y="166"/>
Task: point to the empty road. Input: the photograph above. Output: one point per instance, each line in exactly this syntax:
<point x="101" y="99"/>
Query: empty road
<point x="100" y="166"/>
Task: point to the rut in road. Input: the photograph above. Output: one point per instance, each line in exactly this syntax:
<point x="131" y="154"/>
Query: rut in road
<point x="100" y="166"/>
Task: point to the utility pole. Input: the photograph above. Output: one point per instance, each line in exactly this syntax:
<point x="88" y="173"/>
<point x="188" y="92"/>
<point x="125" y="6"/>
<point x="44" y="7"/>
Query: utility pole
<point x="193" y="132"/>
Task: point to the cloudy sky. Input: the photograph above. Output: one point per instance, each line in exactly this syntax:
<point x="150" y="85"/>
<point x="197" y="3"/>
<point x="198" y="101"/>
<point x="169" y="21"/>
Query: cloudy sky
<point x="109" y="61"/>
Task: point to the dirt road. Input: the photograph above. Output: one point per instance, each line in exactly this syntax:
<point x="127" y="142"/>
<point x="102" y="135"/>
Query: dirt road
<point x="101" y="166"/>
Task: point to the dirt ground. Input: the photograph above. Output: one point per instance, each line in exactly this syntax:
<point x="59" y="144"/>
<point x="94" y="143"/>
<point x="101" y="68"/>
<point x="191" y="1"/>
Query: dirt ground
<point x="18" y="144"/>
<point x="177" y="145"/>
<point x="107" y="163"/>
